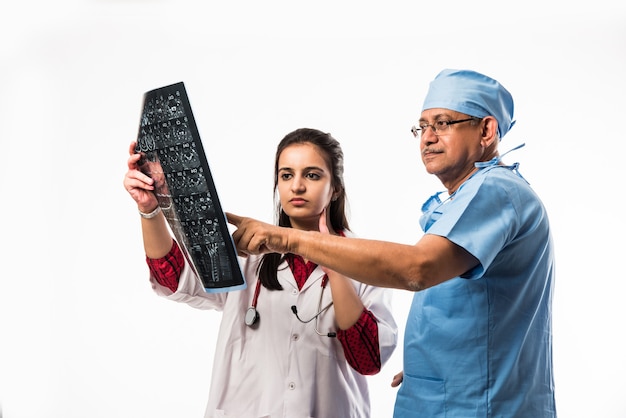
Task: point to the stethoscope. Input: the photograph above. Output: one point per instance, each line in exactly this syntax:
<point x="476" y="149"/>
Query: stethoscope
<point x="252" y="315"/>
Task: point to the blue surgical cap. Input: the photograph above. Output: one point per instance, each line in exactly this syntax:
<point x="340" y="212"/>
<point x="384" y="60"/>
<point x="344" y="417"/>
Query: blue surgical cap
<point x="471" y="93"/>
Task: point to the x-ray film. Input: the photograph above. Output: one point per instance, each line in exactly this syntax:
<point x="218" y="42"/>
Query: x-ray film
<point x="174" y="157"/>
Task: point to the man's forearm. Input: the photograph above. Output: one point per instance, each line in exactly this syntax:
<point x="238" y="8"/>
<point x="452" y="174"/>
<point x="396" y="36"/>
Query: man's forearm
<point x="367" y="261"/>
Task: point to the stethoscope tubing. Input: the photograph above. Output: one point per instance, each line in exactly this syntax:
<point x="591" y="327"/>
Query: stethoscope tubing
<point x="252" y="314"/>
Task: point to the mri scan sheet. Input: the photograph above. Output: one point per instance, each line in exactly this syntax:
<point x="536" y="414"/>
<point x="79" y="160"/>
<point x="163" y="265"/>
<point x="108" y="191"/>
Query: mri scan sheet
<point x="173" y="155"/>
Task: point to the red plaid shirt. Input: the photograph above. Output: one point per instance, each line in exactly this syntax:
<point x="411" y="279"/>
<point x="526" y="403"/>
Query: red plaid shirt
<point x="359" y="342"/>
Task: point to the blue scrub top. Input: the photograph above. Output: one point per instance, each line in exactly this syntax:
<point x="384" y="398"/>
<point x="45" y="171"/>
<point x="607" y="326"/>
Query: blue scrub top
<point x="481" y="345"/>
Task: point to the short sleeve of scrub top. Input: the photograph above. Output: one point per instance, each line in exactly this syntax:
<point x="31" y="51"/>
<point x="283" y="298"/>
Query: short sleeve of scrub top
<point x="480" y="217"/>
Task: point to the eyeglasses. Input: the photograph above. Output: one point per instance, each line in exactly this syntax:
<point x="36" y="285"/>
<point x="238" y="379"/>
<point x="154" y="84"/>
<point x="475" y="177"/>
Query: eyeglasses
<point x="439" y="127"/>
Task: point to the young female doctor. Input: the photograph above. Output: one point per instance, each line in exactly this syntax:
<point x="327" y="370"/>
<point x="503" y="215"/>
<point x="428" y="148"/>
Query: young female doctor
<point x="300" y="339"/>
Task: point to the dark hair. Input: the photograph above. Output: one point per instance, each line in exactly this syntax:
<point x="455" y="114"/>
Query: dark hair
<point x="333" y="155"/>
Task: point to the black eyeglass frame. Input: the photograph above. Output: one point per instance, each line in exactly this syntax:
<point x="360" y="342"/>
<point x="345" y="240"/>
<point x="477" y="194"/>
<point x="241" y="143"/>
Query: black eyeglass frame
<point x="445" y="124"/>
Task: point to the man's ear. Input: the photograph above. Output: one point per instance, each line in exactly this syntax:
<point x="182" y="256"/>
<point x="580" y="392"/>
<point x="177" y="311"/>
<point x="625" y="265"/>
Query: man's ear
<point x="489" y="131"/>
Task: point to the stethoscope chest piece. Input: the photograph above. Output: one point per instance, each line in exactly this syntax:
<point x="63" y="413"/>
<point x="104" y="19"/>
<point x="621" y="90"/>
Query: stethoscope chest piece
<point x="252" y="316"/>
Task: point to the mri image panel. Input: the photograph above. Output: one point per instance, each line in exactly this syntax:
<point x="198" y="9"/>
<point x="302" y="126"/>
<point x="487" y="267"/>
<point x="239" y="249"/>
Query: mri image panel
<point x="173" y="155"/>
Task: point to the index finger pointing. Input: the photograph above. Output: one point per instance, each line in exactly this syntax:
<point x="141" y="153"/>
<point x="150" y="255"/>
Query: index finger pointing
<point x="233" y="219"/>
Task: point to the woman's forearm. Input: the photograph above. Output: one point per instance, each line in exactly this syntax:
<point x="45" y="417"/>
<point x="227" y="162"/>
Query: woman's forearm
<point x="157" y="240"/>
<point x="348" y="305"/>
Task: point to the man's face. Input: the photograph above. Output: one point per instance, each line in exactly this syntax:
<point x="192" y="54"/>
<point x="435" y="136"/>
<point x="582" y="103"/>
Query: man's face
<point x="449" y="153"/>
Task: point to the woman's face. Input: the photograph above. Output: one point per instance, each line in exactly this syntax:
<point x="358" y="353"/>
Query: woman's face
<point x="304" y="184"/>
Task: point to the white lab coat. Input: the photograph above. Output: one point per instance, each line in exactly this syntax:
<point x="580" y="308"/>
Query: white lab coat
<point x="283" y="368"/>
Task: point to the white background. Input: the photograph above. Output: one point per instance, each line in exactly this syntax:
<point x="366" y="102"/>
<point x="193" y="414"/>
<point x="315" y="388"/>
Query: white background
<point x="82" y="334"/>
